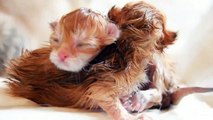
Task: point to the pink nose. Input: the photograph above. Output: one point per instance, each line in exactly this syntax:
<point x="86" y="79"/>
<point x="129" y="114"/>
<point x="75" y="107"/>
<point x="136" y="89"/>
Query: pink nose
<point x="63" y="55"/>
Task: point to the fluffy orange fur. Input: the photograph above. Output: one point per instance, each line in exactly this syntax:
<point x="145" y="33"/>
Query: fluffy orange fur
<point x="142" y="40"/>
<point x="78" y="37"/>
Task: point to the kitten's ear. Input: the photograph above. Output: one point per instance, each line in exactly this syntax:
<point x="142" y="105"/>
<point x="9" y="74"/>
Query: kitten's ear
<point x="53" y="25"/>
<point x="113" y="30"/>
<point x="168" y="39"/>
<point x="113" y="33"/>
<point x="114" y="14"/>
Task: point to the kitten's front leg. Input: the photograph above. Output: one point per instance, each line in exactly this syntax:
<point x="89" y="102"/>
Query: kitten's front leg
<point x="104" y="96"/>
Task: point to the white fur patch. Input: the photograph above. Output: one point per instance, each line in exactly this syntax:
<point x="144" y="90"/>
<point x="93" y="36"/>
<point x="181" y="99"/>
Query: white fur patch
<point x="70" y="64"/>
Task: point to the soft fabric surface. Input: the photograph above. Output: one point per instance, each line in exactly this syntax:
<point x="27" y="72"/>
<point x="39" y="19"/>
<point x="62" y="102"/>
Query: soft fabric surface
<point x="192" y="53"/>
<point x="14" y="108"/>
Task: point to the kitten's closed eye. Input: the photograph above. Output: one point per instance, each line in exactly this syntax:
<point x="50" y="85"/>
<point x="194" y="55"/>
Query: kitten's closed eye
<point x="86" y="46"/>
<point x="54" y="41"/>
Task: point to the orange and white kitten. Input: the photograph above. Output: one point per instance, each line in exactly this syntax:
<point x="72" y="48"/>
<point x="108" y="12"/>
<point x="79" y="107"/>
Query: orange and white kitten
<point x="78" y="37"/>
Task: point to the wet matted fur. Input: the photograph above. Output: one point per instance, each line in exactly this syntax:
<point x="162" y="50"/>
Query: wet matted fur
<point x="142" y="40"/>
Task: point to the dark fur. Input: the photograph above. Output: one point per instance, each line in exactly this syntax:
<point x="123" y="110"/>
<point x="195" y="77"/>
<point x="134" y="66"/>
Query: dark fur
<point x="143" y="33"/>
<point x="38" y="79"/>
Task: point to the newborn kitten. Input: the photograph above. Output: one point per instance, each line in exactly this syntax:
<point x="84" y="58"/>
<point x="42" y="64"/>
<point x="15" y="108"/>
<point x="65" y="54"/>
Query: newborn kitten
<point x="78" y="37"/>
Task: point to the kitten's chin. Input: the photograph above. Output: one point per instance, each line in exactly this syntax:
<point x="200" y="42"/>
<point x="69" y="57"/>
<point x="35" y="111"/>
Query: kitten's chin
<point x="71" y="65"/>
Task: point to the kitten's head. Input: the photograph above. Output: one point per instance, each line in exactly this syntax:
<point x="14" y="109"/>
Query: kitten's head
<point x="78" y="37"/>
<point x="145" y="21"/>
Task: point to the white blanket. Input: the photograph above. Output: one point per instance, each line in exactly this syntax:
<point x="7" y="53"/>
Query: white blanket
<point x="14" y="108"/>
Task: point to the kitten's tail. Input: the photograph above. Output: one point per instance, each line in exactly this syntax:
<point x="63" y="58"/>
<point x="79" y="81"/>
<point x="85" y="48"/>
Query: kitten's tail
<point x="181" y="92"/>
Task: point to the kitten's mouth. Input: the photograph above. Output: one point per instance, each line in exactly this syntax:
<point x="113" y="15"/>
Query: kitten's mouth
<point x="63" y="62"/>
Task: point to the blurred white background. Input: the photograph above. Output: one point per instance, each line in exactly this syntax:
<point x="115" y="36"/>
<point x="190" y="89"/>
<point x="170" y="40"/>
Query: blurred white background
<point x="192" y="19"/>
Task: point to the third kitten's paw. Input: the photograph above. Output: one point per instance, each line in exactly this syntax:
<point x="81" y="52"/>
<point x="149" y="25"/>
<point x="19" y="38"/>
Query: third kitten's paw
<point x="141" y="100"/>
